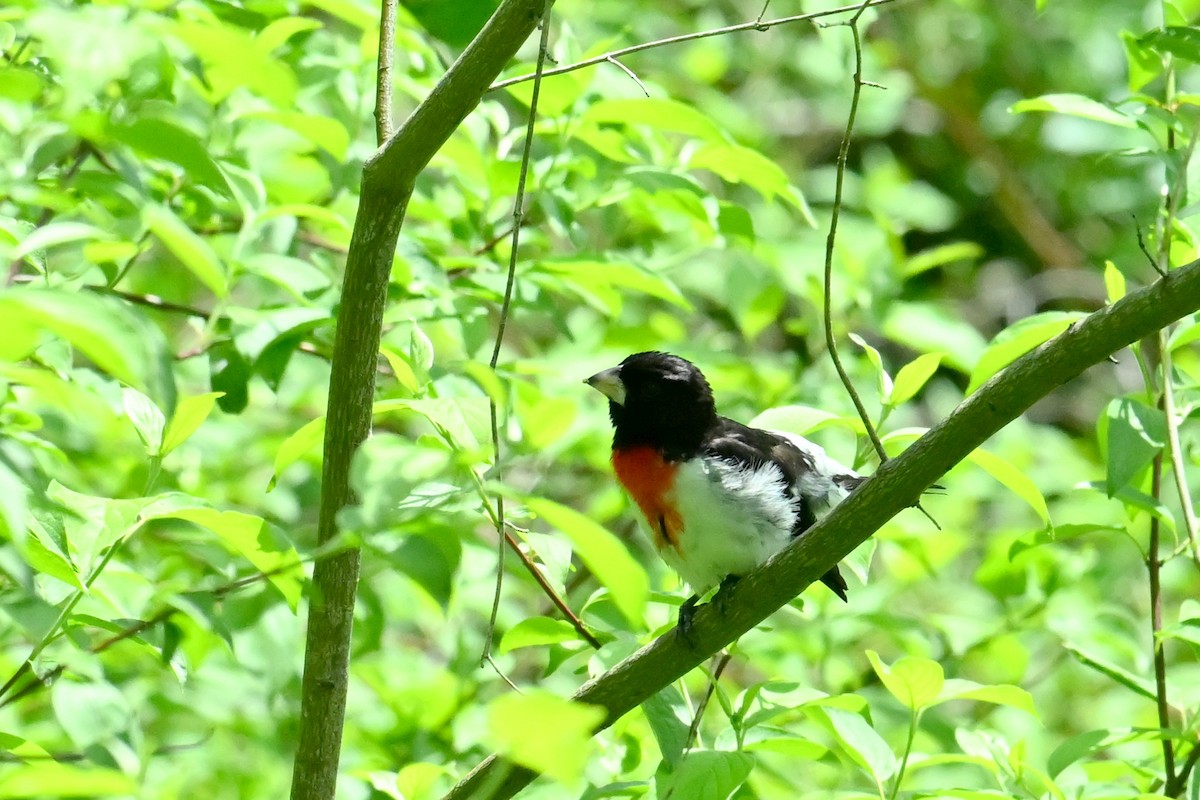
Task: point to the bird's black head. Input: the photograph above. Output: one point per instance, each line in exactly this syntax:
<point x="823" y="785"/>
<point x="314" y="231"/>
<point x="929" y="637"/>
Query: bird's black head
<point x="659" y="400"/>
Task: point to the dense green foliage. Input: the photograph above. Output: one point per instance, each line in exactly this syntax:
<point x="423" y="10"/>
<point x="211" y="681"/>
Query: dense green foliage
<point x="177" y="188"/>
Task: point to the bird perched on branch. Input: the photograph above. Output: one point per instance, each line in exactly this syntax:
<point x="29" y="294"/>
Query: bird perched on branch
<point x="719" y="497"/>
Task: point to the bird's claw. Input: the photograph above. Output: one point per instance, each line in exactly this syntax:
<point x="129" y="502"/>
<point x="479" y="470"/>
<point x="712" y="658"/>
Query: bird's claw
<point x="687" y="613"/>
<point x="724" y="592"/>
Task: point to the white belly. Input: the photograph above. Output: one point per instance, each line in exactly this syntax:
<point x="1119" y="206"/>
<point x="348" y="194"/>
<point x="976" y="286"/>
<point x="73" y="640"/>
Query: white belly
<point x="733" y="520"/>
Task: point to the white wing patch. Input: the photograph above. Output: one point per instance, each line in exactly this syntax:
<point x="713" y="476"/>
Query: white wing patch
<point x="818" y="487"/>
<point x="734" y="518"/>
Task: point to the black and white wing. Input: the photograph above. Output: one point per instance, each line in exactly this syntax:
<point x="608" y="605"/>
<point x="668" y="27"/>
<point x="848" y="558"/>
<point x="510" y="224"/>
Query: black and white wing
<point x="815" y="481"/>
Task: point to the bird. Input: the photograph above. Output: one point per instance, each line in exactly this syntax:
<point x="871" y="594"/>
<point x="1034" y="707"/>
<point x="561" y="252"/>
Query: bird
<point x="719" y="497"/>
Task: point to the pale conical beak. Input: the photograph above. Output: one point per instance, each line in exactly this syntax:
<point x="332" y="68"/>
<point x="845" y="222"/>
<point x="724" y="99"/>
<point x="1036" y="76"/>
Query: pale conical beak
<point x="608" y="383"/>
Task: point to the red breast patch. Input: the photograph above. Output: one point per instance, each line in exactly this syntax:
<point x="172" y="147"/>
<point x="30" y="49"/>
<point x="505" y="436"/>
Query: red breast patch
<point x="648" y="478"/>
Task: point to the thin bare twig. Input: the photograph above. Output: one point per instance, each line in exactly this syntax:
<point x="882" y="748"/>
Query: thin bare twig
<point x="505" y="309"/>
<point x="559" y="603"/>
<point x="1154" y="563"/>
<point x="831" y="239"/>
<point x="1176" y="451"/>
<point x="722" y="660"/>
<point x="757" y="25"/>
<point x="383" y="72"/>
<point x="632" y="76"/>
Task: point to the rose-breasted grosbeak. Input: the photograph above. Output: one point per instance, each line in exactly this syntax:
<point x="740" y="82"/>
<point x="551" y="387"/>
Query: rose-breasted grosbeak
<point x="719" y="497"/>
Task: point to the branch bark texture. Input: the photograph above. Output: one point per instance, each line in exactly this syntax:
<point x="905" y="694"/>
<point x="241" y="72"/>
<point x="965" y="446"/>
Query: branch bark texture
<point x="897" y="485"/>
<point x="387" y="185"/>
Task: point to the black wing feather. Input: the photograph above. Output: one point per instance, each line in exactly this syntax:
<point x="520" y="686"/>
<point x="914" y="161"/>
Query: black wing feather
<point x="732" y="441"/>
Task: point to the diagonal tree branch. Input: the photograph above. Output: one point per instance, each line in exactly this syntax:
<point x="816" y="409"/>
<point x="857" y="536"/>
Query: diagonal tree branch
<point x="387" y="184"/>
<point x="896" y="486"/>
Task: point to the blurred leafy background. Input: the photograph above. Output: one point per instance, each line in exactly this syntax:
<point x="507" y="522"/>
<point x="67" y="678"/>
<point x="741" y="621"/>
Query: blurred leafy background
<point x="177" y="187"/>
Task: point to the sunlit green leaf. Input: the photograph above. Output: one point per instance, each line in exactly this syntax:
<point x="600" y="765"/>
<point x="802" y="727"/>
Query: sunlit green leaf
<point x="861" y="742"/>
<point x="1136" y="433"/>
<point x="50" y="779"/>
<point x="191" y="250"/>
<point x="912" y="377"/>
<point x="189" y="415"/>
<point x="537" y="632"/>
<point x="544" y="732"/>
<point x="1000" y="694"/>
<point x="1016" y="480"/>
<point x="661" y="114"/>
<point x="603" y="554"/>
<point x="158" y="138"/>
<point x="243" y="534"/>
<point x="915" y="682"/>
<point x="1075" y="105"/>
<point x="706" y="775"/>
<point x="1017" y="340"/>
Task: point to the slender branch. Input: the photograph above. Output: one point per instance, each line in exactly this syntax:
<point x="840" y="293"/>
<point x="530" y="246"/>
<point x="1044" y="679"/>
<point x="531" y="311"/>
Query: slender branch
<point x="389" y="177"/>
<point x="831" y="239"/>
<point x="505" y="308"/>
<point x="722" y="661"/>
<point x="1176" y="451"/>
<point x="895" y="486"/>
<point x="1176" y="788"/>
<point x="757" y="25"/>
<point x="383" y="74"/>
<point x="1154" y="563"/>
<point x="558" y="602"/>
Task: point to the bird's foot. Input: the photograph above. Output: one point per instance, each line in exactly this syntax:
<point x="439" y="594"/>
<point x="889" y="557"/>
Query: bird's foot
<point x="724" y="592"/>
<point x="687" y="612"/>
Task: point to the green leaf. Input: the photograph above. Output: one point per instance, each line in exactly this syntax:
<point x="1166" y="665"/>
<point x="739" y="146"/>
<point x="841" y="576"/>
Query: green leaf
<point x="52" y="235"/>
<point x="1014" y="479"/>
<point x="1075" y="105"/>
<point x="915" y="682"/>
<point x="1120" y="675"/>
<point x="189" y="415"/>
<point x="803" y="420"/>
<point x="147" y="419"/>
<point x="1136" y="433"/>
<point x="1075" y="748"/>
<point x="670" y="116"/>
<point x="405" y="376"/>
<point x="1018" y="339"/>
<point x="860" y="742"/>
<point x="324" y="132"/>
<point x="277" y="33"/>
<point x="912" y="377"/>
<point x="49" y="779"/>
<point x="191" y="250"/>
<point x="881" y="375"/>
<point x="705" y="775"/>
<point x="940" y="256"/>
<point x="1177" y="40"/>
<point x="669" y="717"/>
<point x="999" y="694"/>
<point x="46" y="555"/>
<point x="537" y="632"/>
<point x="99" y="328"/>
<point x="737" y="164"/>
<point x="1144" y="64"/>
<point x="242" y="534"/>
<point x="1114" y="282"/>
<point x="232" y="59"/>
<point x="544" y="732"/>
<point x="604" y="555"/>
<point x="602" y="281"/>
<point x="156" y="138"/>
